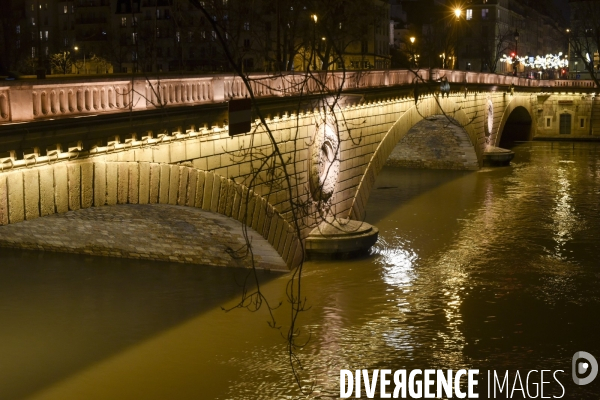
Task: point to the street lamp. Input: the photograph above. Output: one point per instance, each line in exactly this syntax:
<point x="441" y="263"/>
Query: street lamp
<point x="515" y="64"/>
<point x="77" y="49"/>
<point x="412" y="49"/>
<point x="458" y="14"/>
<point x="314" y="18"/>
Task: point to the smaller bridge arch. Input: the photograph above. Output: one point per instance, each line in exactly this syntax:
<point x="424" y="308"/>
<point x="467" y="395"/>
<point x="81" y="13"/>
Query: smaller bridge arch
<point x="517" y="117"/>
<point x="427" y="107"/>
<point x="27" y="194"/>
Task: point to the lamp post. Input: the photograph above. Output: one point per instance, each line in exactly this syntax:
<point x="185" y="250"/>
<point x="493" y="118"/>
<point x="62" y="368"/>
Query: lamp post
<point x="516" y="63"/>
<point x="458" y="14"/>
<point x="77" y="49"/>
<point x="412" y="49"/>
<point x="314" y="17"/>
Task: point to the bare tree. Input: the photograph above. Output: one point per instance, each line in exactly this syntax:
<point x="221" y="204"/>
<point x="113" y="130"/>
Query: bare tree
<point x="584" y="36"/>
<point x="62" y="62"/>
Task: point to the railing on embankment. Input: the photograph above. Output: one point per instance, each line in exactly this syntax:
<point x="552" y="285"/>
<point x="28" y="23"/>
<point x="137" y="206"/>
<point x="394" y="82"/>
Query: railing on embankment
<point x="30" y="100"/>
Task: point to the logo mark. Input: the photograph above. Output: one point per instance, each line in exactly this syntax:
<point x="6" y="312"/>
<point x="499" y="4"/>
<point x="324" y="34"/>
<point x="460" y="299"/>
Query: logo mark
<point x="580" y="367"/>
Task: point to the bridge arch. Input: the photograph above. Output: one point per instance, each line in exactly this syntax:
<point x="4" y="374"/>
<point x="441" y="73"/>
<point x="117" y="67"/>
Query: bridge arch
<point x="517" y="114"/>
<point x="57" y="188"/>
<point x="427" y="107"/>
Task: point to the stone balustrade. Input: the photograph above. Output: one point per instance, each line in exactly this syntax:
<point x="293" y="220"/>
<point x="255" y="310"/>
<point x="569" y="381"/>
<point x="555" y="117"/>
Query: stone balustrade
<point x="23" y="101"/>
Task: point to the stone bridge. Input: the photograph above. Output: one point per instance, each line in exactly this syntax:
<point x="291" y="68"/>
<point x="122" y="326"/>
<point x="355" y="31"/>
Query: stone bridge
<point x="332" y="156"/>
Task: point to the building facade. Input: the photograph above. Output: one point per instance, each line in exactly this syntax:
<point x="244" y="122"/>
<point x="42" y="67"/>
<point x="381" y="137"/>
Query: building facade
<point x="104" y="36"/>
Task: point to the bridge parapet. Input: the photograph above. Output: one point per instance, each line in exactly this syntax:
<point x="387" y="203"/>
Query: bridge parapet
<point x="23" y="101"/>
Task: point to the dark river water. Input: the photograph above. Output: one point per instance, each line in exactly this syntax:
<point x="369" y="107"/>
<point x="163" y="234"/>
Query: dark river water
<point x="493" y="270"/>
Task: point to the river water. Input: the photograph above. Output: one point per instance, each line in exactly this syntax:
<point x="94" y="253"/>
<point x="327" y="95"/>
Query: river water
<point x="495" y="270"/>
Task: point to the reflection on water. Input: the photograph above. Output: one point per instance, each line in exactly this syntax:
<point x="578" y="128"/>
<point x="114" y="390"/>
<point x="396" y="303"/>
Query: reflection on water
<point x="495" y="269"/>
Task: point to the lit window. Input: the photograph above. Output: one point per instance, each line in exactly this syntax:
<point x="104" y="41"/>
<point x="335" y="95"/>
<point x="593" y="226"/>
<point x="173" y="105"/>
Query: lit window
<point x="484" y="13"/>
<point x="469" y="15"/>
<point x="123" y="21"/>
<point x="177" y="37"/>
<point x="224" y="2"/>
<point x="65" y="9"/>
<point x="46" y="35"/>
<point x="33" y="52"/>
<point x="246" y="26"/>
<point x="32" y="21"/>
<point x="134" y="37"/>
<point x="203" y="35"/>
<point x="18" y="28"/>
<point x="214" y="35"/>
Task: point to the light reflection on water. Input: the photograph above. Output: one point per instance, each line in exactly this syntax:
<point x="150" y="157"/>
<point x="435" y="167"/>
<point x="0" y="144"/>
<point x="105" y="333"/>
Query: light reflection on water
<point x="491" y="269"/>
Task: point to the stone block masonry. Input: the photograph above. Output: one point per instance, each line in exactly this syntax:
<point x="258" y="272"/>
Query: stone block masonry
<point x="119" y="183"/>
<point x="149" y="232"/>
<point x="435" y="143"/>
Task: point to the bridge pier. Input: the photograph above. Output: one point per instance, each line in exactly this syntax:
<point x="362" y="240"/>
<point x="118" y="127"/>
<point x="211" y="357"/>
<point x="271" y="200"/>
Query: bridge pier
<point x="340" y="238"/>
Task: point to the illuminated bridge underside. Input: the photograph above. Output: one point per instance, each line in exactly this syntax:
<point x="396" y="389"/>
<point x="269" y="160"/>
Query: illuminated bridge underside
<point x="435" y="143"/>
<point x="157" y="232"/>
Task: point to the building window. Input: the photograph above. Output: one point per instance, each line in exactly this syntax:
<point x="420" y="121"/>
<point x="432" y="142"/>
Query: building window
<point x="214" y="35"/>
<point x="32" y="21"/>
<point x="581" y="122"/>
<point x="18" y="28"/>
<point x="469" y="14"/>
<point x="65" y="9"/>
<point x="246" y="26"/>
<point x="548" y="122"/>
<point x="247" y="43"/>
<point x="18" y="44"/>
<point x="157" y="32"/>
<point x="190" y="36"/>
<point x="484" y="13"/>
<point x="203" y="35"/>
<point x="177" y="37"/>
<point x="47" y="52"/>
<point x="565" y="124"/>
<point x="33" y="52"/>
<point x="123" y="21"/>
<point x="46" y="36"/>
<point x="134" y="36"/>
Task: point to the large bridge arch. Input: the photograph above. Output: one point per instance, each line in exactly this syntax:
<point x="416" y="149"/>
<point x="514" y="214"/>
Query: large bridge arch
<point x="517" y="111"/>
<point x="27" y="194"/>
<point x="427" y="107"/>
